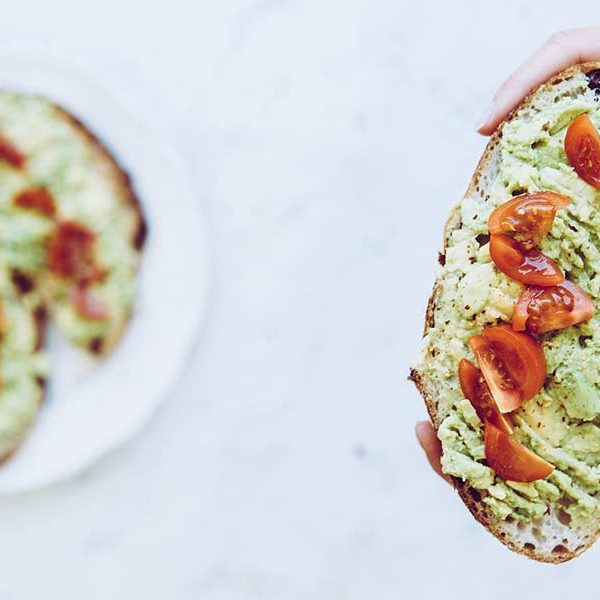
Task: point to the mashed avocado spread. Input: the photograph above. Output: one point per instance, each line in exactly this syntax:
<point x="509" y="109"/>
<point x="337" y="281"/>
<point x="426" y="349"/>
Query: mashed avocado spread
<point x="562" y="423"/>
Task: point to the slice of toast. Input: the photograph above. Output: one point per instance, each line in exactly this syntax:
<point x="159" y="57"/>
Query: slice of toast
<point x="541" y="521"/>
<point x="87" y="188"/>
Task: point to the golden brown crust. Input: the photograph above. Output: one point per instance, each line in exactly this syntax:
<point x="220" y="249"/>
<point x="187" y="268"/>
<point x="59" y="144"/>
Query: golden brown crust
<point x="469" y="495"/>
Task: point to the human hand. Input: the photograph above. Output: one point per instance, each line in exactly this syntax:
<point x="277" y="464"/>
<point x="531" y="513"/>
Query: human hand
<point x="428" y="440"/>
<point x="561" y="50"/>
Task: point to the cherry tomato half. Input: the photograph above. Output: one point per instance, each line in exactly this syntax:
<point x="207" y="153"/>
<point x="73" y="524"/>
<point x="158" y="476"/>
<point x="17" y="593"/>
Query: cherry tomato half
<point x="582" y="147"/>
<point x="528" y="216"/>
<point x="527" y="266"/>
<point x="541" y="309"/>
<point x="512" y="363"/>
<point x="10" y="154"/>
<point x="511" y="460"/>
<point x="475" y="389"/>
<point x="70" y="253"/>
<point x="38" y="199"/>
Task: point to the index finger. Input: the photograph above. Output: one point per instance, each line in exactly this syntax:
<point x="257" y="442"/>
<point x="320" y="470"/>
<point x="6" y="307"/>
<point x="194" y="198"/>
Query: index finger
<point x="560" y="51"/>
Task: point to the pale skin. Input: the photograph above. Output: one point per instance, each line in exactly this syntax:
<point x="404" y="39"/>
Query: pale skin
<point x="561" y="50"/>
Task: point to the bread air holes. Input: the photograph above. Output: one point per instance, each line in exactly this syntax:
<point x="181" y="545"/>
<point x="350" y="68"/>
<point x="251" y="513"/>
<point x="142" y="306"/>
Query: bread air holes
<point x="529" y="546"/>
<point x="583" y="339"/>
<point x="593" y="78"/>
<point x="518" y="192"/>
<point x="96" y="345"/>
<point x="22" y="282"/>
<point x="560" y="550"/>
<point x="563" y="517"/>
<point x="482" y="239"/>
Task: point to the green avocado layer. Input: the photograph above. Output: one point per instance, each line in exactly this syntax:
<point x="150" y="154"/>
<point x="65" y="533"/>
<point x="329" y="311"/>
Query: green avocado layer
<point x="562" y="423"/>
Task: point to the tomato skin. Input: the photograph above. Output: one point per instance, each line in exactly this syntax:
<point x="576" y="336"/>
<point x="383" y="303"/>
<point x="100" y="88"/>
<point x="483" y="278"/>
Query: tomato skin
<point x="512" y="364"/>
<point x="511" y="460"/>
<point x="542" y="309"/>
<point x="520" y="313"/>
<point x="70" y="253"/>
<point x="39" y="200"/>
<point x="582" y="147"/>
<point x="528" y="216"/>
<point x="527" y="266"/>
<point x="475" y="389"/>
<point x="522" y="356"/>
<point x="503" y="389"/>
<point x="10" y="154"/>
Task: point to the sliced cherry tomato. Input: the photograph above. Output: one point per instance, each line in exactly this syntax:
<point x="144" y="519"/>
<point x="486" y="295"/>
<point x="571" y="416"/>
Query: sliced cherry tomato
<point x="475" y="389"/>
<point x="522" y="356"/>
<point x="70" y="253"/>
<point x="10" y="154"/>
<point x="38" y="200"/>
<point x="88" y="305"/>
<point x="527" y="266"/>
<point x="513" y="461"/>
<point x="541" y="309"/>
<point x="528" y="216"/>
<point x="582" y="147"/>
<point x="512" y="364"/>
<point x="503" y="389"/>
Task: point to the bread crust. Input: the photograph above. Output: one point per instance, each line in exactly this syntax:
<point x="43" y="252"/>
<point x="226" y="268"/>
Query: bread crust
<point x="469" y="495"/>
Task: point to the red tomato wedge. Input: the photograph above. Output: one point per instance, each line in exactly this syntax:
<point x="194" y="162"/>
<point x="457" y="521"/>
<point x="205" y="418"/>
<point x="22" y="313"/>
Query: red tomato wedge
<point x="10" y="154"/>
<point x="39" y="200"/>
<point x="503" y="389"/>
<point x="70" y="253"/>
<point x="527" y="266"/>
<point x="512" y="364"/>
<point x="542" y="309"/>
<point x="513" y="461"/>
<point x="582" y="147"/>
<point x="528" y="216"/>
<point x="88" y="305"/>
<point x="475" y="389"/>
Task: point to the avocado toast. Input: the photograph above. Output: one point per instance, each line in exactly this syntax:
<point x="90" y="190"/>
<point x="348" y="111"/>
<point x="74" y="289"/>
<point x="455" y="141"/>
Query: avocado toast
<point x="71" y="236"/>
<point x="74" y="225"/>
<point x="556" y="517"/>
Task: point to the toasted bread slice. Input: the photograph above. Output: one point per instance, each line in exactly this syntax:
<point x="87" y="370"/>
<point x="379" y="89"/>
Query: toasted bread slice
<point x="543" y="521"/>
<point x="87" y="188"/>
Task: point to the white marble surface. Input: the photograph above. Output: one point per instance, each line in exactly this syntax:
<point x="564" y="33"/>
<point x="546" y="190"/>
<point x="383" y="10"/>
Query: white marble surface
<point x="328" y="140"/>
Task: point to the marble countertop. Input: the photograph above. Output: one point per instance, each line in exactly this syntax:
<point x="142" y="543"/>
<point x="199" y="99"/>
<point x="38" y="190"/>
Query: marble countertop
<point x="328" y="141"/>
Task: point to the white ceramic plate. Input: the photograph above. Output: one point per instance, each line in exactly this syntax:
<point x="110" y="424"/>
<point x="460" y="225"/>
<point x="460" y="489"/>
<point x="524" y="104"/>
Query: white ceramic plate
<point x="94" y="407"/>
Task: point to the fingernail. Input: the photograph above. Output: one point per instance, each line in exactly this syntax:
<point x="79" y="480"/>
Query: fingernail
<point x="485" y="117"/>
